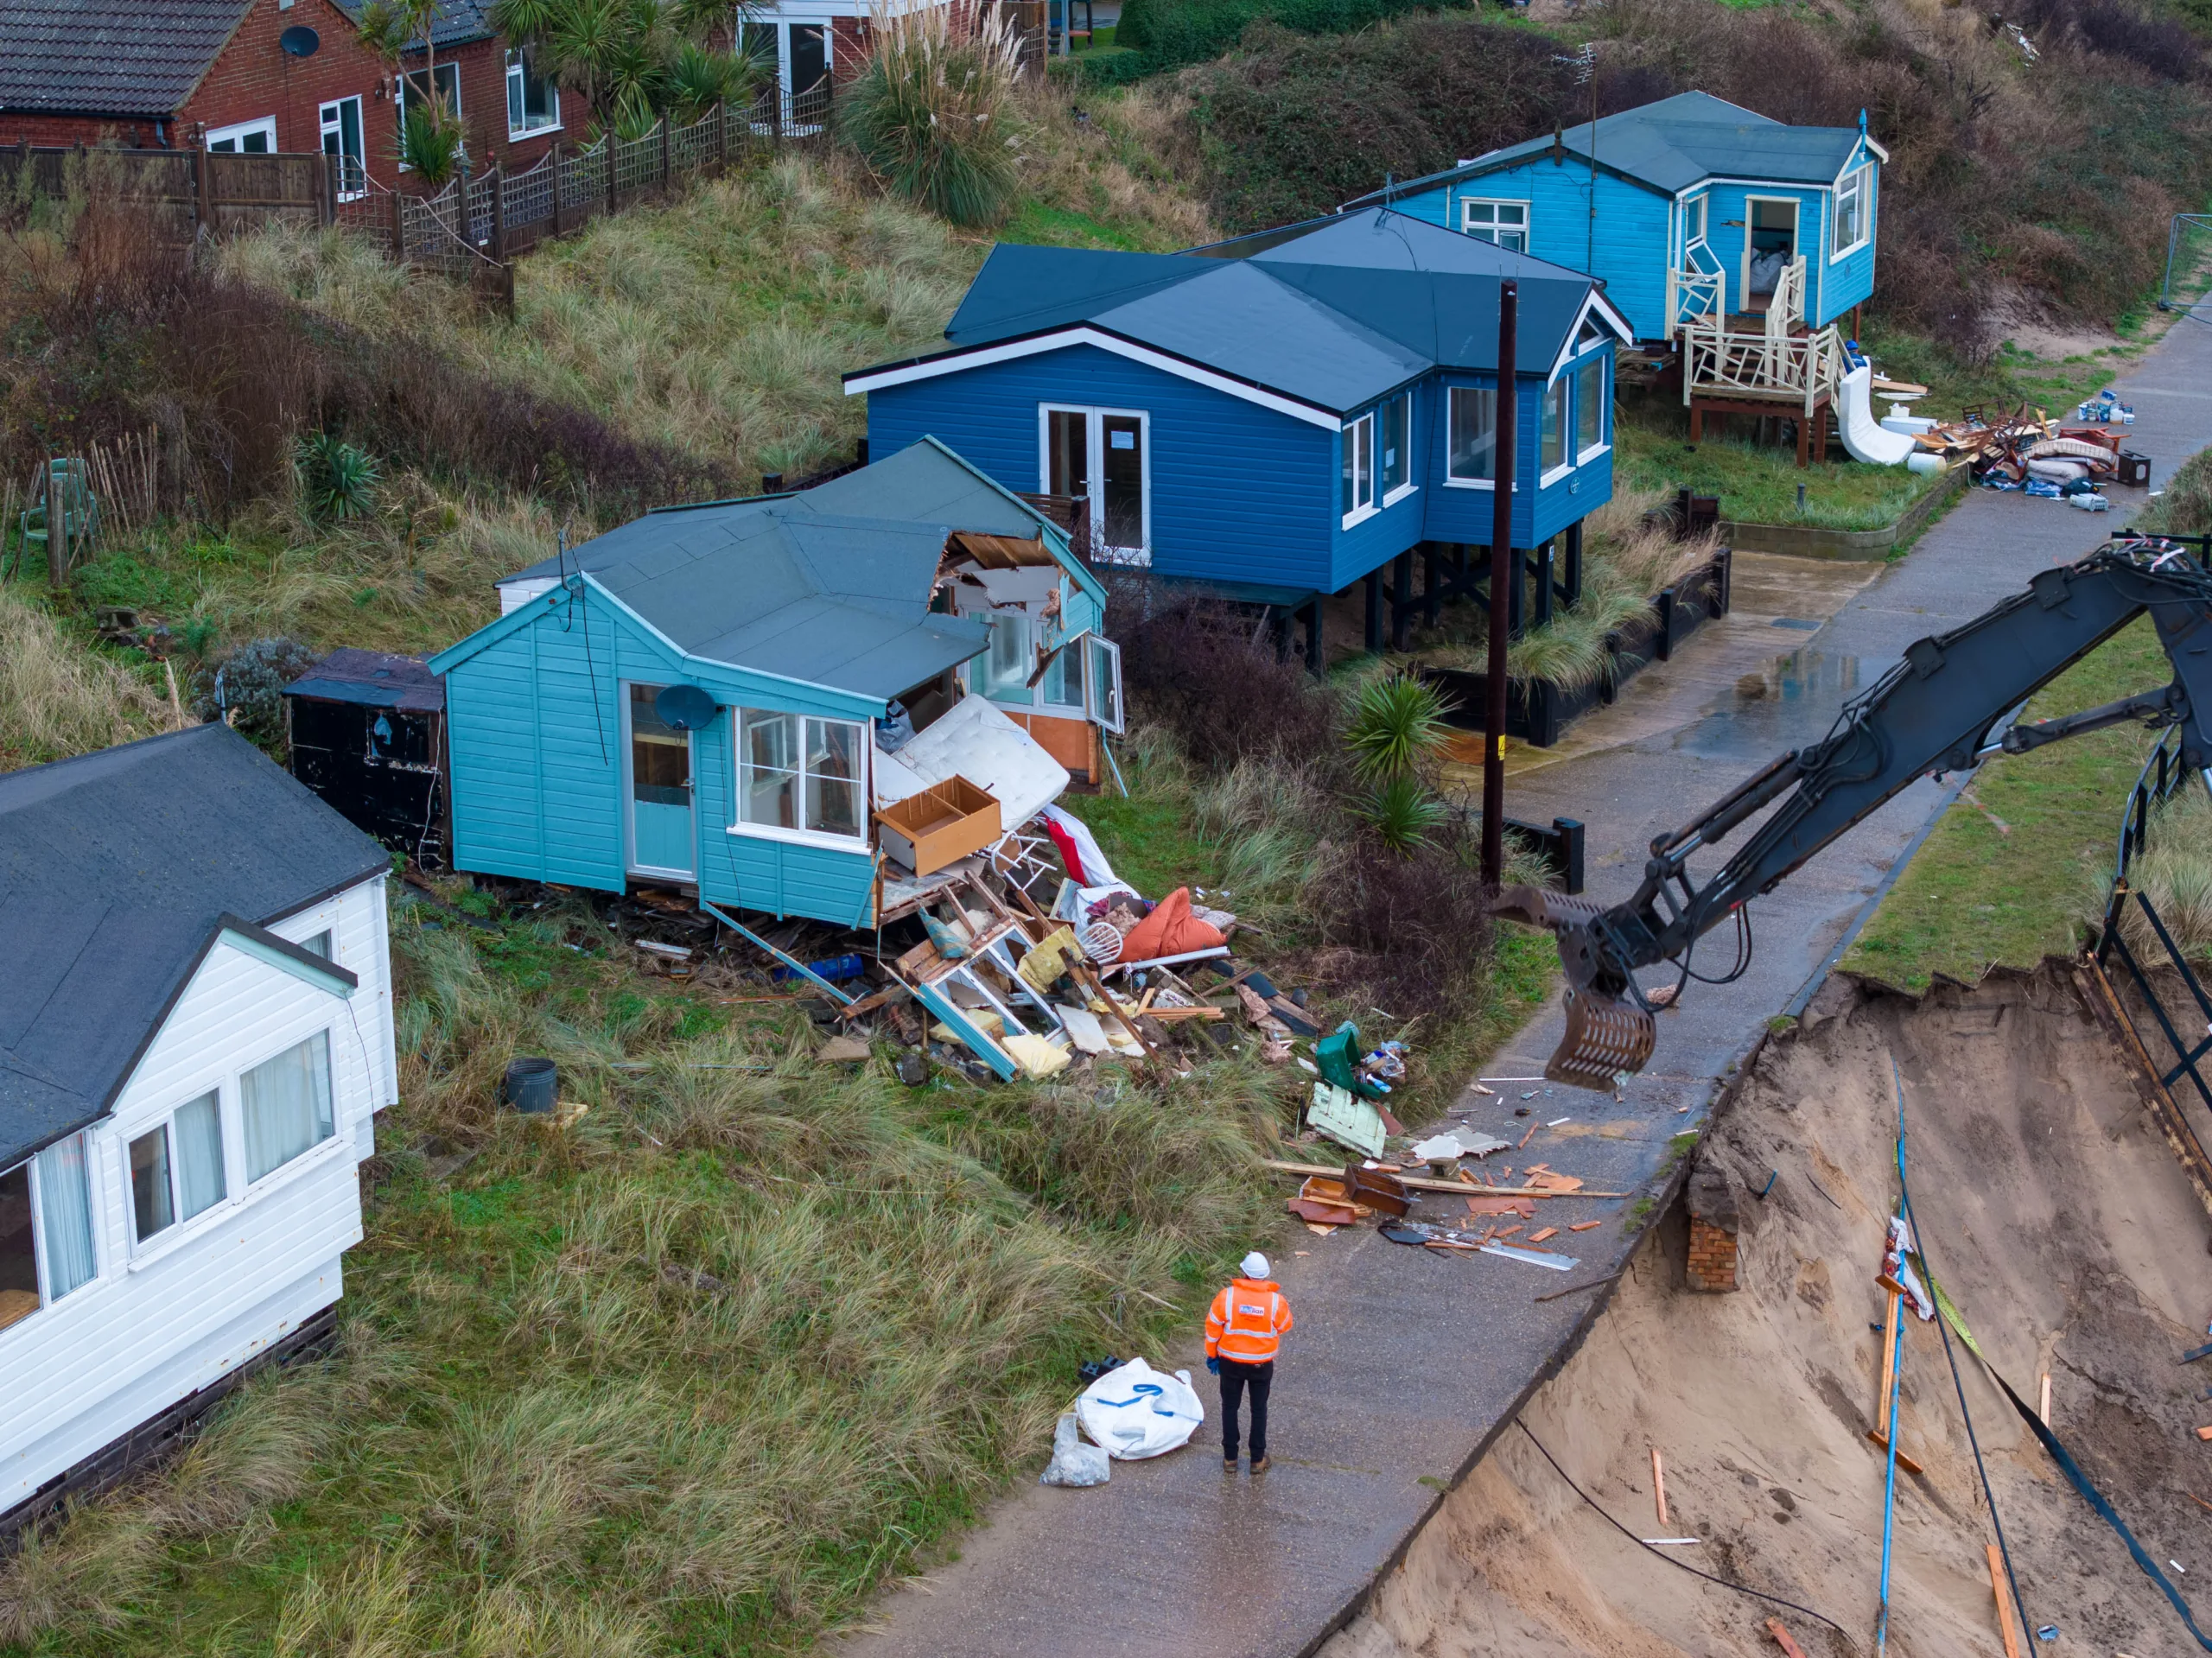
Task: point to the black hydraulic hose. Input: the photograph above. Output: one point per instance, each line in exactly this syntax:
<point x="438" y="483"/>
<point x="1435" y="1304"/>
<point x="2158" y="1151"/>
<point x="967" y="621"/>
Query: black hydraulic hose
<point x="1756" y="1594"/>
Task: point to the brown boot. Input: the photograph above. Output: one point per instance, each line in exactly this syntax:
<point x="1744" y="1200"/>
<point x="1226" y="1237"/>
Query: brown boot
<point x="1260" y="1465"/>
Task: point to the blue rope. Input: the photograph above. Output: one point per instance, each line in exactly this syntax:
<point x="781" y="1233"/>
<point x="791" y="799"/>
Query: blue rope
<point x="1897" y="1392"/>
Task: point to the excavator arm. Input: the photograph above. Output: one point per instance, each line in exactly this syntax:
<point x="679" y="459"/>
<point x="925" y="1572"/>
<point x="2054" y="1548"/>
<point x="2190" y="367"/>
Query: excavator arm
<point x="1934" y="712"/>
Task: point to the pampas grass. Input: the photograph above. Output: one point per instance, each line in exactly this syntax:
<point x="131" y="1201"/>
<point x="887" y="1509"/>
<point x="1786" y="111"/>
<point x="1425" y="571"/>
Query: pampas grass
<point x="932" y="112"/>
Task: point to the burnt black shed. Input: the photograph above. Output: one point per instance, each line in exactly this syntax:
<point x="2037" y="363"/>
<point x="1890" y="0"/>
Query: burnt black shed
<point x="368" y="735"/>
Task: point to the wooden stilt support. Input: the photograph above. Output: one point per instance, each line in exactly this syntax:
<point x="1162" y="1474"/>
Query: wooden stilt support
<point x="1402" y="599"/>
<point x="1371" y="585"/>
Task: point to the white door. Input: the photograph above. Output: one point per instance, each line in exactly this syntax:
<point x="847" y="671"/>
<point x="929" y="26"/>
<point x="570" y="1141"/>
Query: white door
<point x="341" y="138"/>
<point x="255" y="137"/>
<point x="1104" y="457"/>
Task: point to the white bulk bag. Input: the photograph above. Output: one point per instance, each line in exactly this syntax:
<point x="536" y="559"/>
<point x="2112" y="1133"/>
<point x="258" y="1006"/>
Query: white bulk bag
<point x="1137" y="1411"/>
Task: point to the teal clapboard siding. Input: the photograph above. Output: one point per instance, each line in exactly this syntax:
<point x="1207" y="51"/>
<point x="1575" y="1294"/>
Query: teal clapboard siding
<point x="534" y="713"/>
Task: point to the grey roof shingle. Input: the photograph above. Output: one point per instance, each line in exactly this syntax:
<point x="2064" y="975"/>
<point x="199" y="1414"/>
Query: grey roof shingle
<point x="116" y="869"/>
<point x="109" y="57"/>
<point x="1335" y="313"/>
<point x="830" y="586"/>
<point x="1670" y="145"/>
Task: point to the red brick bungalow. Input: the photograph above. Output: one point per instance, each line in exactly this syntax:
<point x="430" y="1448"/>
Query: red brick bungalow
<point x="177" y="74"/>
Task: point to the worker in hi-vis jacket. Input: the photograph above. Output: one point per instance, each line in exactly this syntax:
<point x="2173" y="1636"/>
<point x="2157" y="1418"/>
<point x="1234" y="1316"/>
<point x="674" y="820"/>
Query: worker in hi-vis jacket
<point x="1244" y="1328"/>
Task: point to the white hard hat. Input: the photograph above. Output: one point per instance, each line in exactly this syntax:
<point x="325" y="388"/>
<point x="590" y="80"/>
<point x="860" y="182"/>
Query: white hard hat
<point x="1254" y="1266"/>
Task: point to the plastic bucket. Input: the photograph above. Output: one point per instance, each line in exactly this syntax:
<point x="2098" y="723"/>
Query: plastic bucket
<point x="531" y="1085"/>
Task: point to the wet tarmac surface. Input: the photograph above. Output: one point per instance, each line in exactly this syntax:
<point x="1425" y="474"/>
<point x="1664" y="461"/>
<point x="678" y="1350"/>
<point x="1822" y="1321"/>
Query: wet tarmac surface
<point x="1404" y="1363"/>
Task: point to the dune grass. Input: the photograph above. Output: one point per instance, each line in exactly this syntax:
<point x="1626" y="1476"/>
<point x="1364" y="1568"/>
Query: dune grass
<point x="58" y="698"/>
<point x="2000" y="881"/>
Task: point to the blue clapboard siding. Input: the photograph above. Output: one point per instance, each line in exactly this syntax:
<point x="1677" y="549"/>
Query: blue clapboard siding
<point x="1457" y="512"/>
<point x="1239" y="492"/>
<point x="535" y="716"/>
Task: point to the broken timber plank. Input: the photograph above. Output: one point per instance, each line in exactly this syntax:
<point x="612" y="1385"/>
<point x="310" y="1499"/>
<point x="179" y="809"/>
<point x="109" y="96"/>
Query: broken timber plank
<point x="2005" y="1623"/>
<point x="1789" y="1649"/>
<point x="1456" y="1187"/>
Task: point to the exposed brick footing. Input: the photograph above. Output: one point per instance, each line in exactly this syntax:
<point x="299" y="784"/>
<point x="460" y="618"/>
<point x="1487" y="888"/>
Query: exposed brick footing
<point x="1712" y="1257"/>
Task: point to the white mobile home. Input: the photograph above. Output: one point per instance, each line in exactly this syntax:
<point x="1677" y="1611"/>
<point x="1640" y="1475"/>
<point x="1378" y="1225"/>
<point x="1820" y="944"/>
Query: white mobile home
<point x="195" y="1034"/>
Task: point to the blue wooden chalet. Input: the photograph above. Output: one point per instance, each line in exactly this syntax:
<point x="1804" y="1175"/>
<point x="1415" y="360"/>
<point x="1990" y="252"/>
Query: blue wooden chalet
<point x="704" y="698"/>
<point x="1740" y="240"/>
<point x="1282" y="416"/>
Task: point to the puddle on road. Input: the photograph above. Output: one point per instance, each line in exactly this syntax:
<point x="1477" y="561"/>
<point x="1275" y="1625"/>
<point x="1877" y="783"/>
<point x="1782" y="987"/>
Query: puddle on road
<point x="1801" y="694"/>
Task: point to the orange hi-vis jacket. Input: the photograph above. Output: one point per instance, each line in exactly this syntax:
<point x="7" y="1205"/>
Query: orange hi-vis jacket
<point x="1247" y="1322"/>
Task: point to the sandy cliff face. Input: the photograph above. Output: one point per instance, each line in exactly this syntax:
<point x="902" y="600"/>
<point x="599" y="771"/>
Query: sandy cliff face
<point x="2061" y="1224"/>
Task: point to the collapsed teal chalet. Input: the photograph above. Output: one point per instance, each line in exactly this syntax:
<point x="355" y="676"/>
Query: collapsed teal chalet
<point x="1688" y="208"/>
<point x="699" y="698"/>
<point x="1282" y="416"/>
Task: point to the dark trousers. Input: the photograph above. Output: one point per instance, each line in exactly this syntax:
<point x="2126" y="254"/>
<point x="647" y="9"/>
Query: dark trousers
<point x="1235" y="1379"/>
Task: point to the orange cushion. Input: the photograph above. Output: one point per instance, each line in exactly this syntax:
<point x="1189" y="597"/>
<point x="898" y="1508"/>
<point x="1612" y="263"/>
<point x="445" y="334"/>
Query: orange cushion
<point x="1170" y="929"/>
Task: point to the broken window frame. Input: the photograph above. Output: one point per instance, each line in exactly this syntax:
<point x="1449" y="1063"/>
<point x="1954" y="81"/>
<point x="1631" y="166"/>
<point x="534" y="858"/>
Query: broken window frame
<point x="1103" y="703"/>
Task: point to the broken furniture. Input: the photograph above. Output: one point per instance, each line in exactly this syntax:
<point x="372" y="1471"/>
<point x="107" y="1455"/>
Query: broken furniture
<point x="937" y="825"/>
<point x="62" y="518"/>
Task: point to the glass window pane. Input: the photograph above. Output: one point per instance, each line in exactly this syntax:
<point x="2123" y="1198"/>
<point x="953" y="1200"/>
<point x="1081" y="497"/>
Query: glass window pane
<point x="1105" y="670"/>
<point x="150" y="1209"/>
<point x="1590" y="404"/>
<point x="18" y="1254"/>
<point x="199" y="1182"/>
<point x="1555" y="425"/>
<point x="1367" y="461"/>
<point x="64" y="1205"/>
<point x="768" y="783"/>
<point x="833" y="776"/>
<point x="1482" y="213"/>
<point x="1009" y="662"/>
<point x="286" y="1103"/>
<point x="1515" y="213"/>
<point x="1473" y="433"/>
<point x="1063" y="678"/>
<point x="1397" y="428"/>
<point x="1121" y="462"/>
<point x="1349" y="483"/>
<point x="1067" y="453"/>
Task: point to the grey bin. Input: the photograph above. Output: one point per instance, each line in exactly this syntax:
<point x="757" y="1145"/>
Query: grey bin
<point x="531" y="1085"/>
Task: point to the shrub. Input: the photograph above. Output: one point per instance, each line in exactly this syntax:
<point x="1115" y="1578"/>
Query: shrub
<point x="932" y="112"/>
<point x="1402" y="813"/>
<point x="2185" y="508"/>
<point x="248" y="686"/>
<point x="1171" y="33"/>
<point x="337" y="481"/>
<point x="1396" y="725"/>
<point x="1204" y="671"/>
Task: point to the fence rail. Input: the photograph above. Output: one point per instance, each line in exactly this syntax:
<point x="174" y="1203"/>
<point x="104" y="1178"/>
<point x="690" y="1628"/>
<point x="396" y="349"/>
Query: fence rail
<point x="473" y="225"/>
<point x="1727" y="362"/>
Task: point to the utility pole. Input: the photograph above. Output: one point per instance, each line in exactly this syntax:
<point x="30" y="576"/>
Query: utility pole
<point x="1501" y="542"/>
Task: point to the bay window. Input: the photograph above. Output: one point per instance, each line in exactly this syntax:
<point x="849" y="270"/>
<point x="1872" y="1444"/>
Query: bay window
<point x="1472" y="433"/>
<point x="1589" y="407"/>
<point x="1358" y="468"/>
<point x="1551" y="454"/>
<point x="1396" y="442"/>
<point x="801" y="774"/>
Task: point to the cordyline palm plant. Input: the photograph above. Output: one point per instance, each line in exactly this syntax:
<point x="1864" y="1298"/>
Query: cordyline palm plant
<point x="934" y="112"/>
<point x="1396" y="731"/>
<point x="429" y="137"/>
<point x="633" y="61"/>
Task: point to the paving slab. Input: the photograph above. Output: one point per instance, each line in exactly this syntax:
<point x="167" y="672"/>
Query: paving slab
<point x="1404" y="1361"/>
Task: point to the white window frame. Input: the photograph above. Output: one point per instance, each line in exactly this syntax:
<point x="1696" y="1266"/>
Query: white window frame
<point x="1359" y="440"/>
<point x="1080" y="708"/>
<point x="1395" y="493"/>
<point x="1563" y="385"/>
<point x="237" y="132"/>
<point x="1468" y="227"/>
<point x="1450" y="482"/>
<point x="40" y="1268"/>
<point x="1696" y="221"/>
<point x="630" y="794"/>
<point x="1094" y="439"/>
<point x="1089" y="641"/>
<point x="234" y="1154"/>
<point x="864" y="785"/>
<point x="518" y="69"/>
<point x="1577" y="454"/>
<point x="330" y="118"/>
<point x="438" y="74"/>
<point x="231" y="1125"/>
<point x="1859" y="180"/>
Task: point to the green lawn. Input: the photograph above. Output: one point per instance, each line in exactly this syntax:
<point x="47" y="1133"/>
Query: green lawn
<point x="1757" y="483"/>
<point x="2006" y="876"/>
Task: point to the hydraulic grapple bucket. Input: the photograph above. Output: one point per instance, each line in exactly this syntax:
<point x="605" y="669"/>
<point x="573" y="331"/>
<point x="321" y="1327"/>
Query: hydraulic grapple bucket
<point x="1606" y="1037"/>
<point x="1605" y="1040"/>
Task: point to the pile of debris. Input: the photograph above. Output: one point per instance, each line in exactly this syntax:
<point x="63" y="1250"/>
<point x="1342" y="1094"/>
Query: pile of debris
<point x="2037" y="456"/>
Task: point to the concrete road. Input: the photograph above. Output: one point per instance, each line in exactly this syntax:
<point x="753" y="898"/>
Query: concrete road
<point x="1405" y="1364"/>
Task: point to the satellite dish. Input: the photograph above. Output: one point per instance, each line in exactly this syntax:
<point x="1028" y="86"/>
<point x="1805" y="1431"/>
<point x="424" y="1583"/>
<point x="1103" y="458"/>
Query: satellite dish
<point x="299" y="41"/>
<point x="686" y="708"/>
